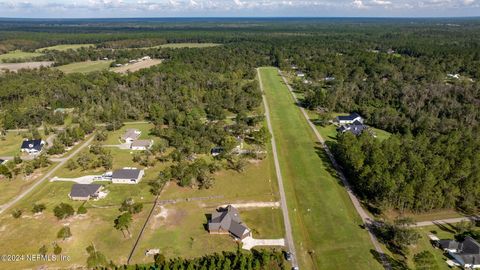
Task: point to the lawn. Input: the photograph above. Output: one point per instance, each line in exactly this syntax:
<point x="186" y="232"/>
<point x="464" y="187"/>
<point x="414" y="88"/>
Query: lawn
<point x="29" y="232"/>
<point x="327" y="230"/>
<point x="188" y="45"/>
<point x="65" y="47"/>
<point x="85" y="67"/>
<point x="11" y="188"/>
<point x="10" y="144"/>
<point x="18" y="55"/>
<point x="443" y="232"/>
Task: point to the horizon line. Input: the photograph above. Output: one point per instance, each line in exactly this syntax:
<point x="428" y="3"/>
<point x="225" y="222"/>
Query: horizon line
<point x="245" y="17"/>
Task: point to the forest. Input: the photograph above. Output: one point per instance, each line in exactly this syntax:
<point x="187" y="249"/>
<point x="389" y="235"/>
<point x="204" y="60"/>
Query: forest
<point x="395" y="73"/>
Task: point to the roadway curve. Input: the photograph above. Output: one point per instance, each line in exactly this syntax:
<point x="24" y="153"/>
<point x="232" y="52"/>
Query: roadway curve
<point x="283" y="201"/>
<point x="356" y="203"/>
<point x="63" y="161"/>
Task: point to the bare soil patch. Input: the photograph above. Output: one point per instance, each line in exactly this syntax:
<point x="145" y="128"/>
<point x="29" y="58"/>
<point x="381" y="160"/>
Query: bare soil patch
<point x="27" y="65"/>
<point x="137" y="66"/>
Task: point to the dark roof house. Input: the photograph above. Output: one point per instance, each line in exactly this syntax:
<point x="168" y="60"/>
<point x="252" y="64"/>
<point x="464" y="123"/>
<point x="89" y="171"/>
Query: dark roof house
<point x="227" y="220"/>
<point x="466" y="253"/>
<point x="84" y="192"/>
<point x="32" y="146"/>
<point x="344" y="119"/>
<point x="356" y="128"/>
<point x="127" y="176"/>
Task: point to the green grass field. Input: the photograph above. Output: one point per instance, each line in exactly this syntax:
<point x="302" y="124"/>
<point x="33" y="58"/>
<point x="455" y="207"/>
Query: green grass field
<point x="325" y="224"/>
<point x="18" y="55"/>
<point x="10" y="144"/>
<point x="65" y="47"/>
<point x="85" y="67"/>
<point x="188" y="45"/>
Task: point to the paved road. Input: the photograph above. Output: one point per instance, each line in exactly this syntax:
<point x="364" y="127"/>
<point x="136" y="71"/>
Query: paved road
<point x="445" y="221"/>
<point x="45" y="177"/>
<point x="356" y="203"/>
<point x="283" y="201"/>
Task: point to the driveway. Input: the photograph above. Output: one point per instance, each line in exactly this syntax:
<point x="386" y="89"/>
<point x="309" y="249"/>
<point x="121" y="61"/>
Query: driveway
<point x="253" y="205"/>
<point x="123" y="146"/>
<point x="87" y="179"/>
<point x="250" y="242"/>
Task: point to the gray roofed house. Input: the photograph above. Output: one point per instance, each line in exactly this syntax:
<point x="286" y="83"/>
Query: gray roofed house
<point x="127" y="176"/>
<point x="131" y="134"/>
<point x="84" y="192"/>
<point x="141" y="144"/>
<point x="356" y="128"/>
<point x="227" y="221"/>
<point x="3" y="161"/>
<point x="466" y="253"/>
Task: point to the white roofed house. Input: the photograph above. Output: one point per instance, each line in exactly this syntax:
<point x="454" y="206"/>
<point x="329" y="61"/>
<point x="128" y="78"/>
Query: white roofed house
<point x="141" y="145"/>
<point x="131" y="135"/>
<point x="127" y="176"/>
<point x="349" y="119"/>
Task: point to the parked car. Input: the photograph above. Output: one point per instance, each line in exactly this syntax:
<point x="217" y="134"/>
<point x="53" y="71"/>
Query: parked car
<point x="288" y="256"/>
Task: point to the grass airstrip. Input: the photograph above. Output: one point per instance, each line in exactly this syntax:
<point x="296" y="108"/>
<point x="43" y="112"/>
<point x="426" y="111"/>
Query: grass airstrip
<point x="188" y="45"/>
<point x="325" y="224"/>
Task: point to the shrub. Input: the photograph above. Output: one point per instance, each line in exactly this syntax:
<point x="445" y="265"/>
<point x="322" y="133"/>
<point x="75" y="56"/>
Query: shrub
<point x="81" y="210"/>
<point x="38" y="208"/>
<point x="17" y="213"/>
<point x="64" y="233"/>
<point x="63" y="210"/>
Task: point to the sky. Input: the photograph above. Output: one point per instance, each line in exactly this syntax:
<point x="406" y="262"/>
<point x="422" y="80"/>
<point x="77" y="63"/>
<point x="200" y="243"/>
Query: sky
<point x="237" y="8"/>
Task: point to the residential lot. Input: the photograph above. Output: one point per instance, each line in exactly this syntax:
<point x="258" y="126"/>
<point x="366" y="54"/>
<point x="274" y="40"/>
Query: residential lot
<point x="326" y="228"/>
<point x="10" y="144"/>
<point x="182" y="222"/>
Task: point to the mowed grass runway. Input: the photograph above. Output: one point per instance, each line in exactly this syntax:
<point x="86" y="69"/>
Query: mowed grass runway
<point x="326" y="227"/>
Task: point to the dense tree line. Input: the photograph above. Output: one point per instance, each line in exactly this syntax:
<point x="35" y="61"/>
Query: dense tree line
<point x="419" y="173"/>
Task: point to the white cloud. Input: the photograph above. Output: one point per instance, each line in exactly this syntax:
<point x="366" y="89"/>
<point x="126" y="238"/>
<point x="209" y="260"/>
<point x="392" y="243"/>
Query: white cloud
<point x="158" y="8"/>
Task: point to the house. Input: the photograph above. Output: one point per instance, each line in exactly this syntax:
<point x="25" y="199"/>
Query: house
<point x="131" y="135"/>
<point x="216" y="151"/>
<point x="32" y="146"/>
<point x="146" y="58"/>
<point x="453" y="76"/>
<point x="141" y="144"/>
<point x="349" y="119"/>
<point x="300" y="74"/>
<point x="356" y="128"/>
<point x="127" y="176"/>
<point x="227" y="221"/>
<point x="465" y="253"/>
<point x="3" y="161"/>
<point x="390" y="51"/>
<point x="329" y="79"/>
<point x="84" y="192"/>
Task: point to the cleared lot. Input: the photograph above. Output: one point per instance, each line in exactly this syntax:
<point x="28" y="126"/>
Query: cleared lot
<point x="18" y="55"/>
<point x="65" y="47"/>
<point x="137" y="66"/>
<point x="85" y="67"/>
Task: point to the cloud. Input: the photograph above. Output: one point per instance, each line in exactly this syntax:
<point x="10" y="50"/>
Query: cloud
<point x="159" y="8"/>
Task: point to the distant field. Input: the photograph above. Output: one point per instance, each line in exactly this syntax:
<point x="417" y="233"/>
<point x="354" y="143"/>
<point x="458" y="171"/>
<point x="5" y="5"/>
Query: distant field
<point x="85" y="67"/>
<point x="65" y="47"/>
<point x="25" y="65"/>
<point x="137" y="66"/>
<point x="188" y="45"/>
<point x="18" y="55"/>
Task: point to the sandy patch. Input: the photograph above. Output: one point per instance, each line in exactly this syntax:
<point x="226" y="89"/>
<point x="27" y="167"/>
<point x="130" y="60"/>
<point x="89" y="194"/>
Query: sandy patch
<point x="27" y="65"/>
<point x="137" y="66"/>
